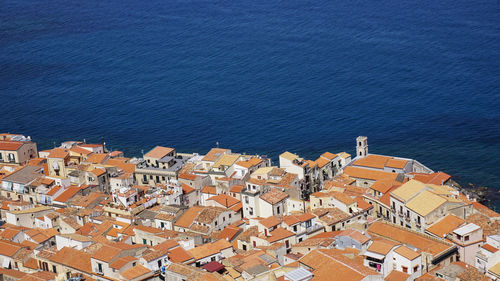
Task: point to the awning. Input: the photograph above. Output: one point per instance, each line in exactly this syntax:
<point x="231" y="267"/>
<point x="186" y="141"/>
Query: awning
<point x="213" y="266"/>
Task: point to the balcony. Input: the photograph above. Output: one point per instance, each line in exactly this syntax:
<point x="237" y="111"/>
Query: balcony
<point x="400" y="214"/>
<point x="313" y="228"/>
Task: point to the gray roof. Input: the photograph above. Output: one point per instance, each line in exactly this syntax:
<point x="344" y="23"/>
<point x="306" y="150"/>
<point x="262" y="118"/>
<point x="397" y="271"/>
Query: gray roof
<point x="267" y="258"/>
<point x="451" y="270"/>
<point x="256" y="270"/>
<point x="468" y="228"/>
<point x="495" y="237"/>
<point x="165" y="159"/>
<point x="298" y="274"/>
<point x="25" y="175"/>
<point x="147" y="214"/>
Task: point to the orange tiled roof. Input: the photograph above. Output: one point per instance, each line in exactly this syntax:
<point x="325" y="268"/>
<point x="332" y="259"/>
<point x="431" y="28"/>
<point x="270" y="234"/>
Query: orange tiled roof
<point x="224" y="200"/>
<point x="236" y="188"/>
<point x="382" y="186"/>
<point x="249" y="163"/>
<point x="372" y="161"/>
<point x="73" y="258"/>
<point x="279" y="234"/>
<point x="119" y="263"/>
<point x="186" y="189"/>
<point x="382" y="246"/>
<point x="209" y="249"/>
<point x="328" y="155"/>
<point x="190" y="177"/>
<point x="397" y="276"/>
<point x="271" y="221"/>
<point x="369" y="174"/>
<point x="420" y="241"/>
<point x="67" y="194"/>
<point x="97" y="158"/>
<point x="229" y="233"/>
<point x="188" y="217"/>
<point x="214" y="154"/>
<point x="58" y="153"/>
<point x="325" y="261"/>
<point x="445" y="225"/>
<point x="407" y="252"/>
<point x="8" y="248"/>
<point x="159" y="152"/>
<point x="489" y="248"/>
<point x="209" y="189"/>
<point x="321" y="162"/>
<point x="10" y="145"/>
<point x="136" y="272"/>
<point x="274" y="196"/>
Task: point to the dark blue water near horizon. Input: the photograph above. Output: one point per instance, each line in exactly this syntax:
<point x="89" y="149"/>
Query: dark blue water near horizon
<point x="420" y="78"/>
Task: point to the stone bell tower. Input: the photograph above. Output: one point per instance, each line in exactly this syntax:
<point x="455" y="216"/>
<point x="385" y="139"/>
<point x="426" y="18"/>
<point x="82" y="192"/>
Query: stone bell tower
<point x="361" y="146"/>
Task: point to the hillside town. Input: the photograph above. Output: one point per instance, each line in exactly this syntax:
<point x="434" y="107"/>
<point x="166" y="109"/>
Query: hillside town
<point x="81" y="212"/>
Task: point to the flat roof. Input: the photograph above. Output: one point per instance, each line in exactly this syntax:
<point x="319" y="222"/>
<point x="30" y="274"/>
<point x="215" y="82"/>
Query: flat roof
<point x="468" y="228"/>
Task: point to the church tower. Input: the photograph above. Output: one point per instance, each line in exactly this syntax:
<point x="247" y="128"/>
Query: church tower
<point x="361" y="146"/>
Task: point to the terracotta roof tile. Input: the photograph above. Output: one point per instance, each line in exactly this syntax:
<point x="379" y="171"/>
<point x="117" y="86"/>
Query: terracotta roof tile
<point x="417" y="240"/>
<point x="159" y="152"/>
<point x="407" y="252"/>
<point x="279" y="234"/>
<point x="67" y="194"/>
<point x="209" y="249"/>
<point x="445" y="225"/>
<point x="136" y="272"/>
<point x="274" y="196"/>
<point x="369" y="174"/>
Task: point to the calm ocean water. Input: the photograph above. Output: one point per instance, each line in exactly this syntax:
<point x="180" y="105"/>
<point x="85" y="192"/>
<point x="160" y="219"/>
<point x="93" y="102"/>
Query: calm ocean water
<point x="420" y="78"/>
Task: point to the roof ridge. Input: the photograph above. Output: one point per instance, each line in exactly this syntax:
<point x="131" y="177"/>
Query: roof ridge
<point x="357" y="271"/>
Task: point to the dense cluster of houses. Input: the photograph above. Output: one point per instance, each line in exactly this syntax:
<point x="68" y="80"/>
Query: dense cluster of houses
<point x="80" y="212"/>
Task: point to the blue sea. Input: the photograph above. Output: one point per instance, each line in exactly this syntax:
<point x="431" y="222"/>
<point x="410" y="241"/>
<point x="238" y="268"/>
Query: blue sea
<point x="421" y="79"/>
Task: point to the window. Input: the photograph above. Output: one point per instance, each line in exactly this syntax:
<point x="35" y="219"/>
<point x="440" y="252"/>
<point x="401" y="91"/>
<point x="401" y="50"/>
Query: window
<point x="466" y="238"/>
<point x="144" y="241"/>
<point x="278" y="210"/>
<point x="295" y="228"/>
<point x="11" y="157"/>
<point x="1" y="157"/>
<point x="320" y="202"/>
<point x="151" y="177"/>
<point x="246" y="199"/>
<point x="405" y="269"/>
<point x="212" y="258"/>
<point x="99" y="267"/>
<point x="415" y="268"/>
<point x="244" y="247"/>
<point x="308" y="223"/>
